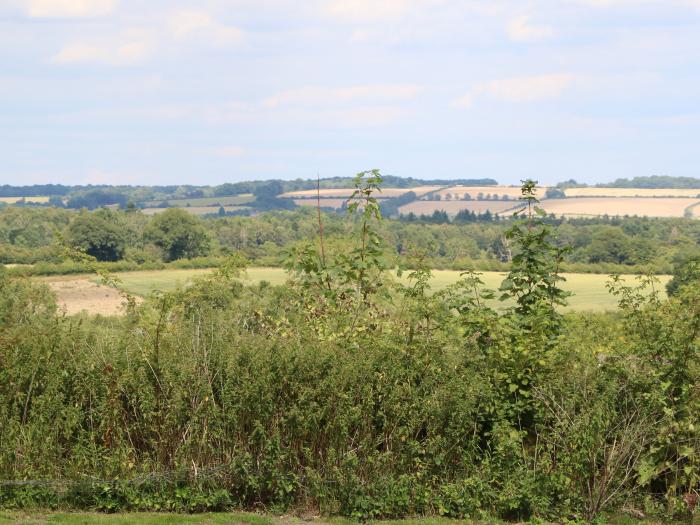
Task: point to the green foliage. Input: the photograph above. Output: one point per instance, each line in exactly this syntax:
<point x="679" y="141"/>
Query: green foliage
<point x="533" y="280"/>
<point x="655" y="181"/>
<point x="178" y="234"/>
<point x="346" y="392"/>
<point x="349" y="276"/>
<point x="633" y="245"/>
<point x="97" y="198"/>
<point x="555" y="193"/>
<point x="100" y="235"/>
<point x="686" y="272"/>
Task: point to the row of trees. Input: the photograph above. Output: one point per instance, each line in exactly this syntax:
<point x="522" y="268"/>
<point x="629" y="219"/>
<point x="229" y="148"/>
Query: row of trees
<point x="449" y="196"/>
<point x="32" y="235"/>
<point x="177" y="233"/>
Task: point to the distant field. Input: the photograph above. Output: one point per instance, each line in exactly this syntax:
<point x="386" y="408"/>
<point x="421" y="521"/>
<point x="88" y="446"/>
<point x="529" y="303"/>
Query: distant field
<point x="325" y="203"/>
<point x="386" y="193"/>
<point x="458" y="192"/>
<point x="76" y="293"/>
<point x="454" y="207"/>
<point x="631" y="192"/>
<point x="195" y="210"/>
<point x="612" y="206"/>
<point x="230" y="200"/>
<point x="12" y="200"/>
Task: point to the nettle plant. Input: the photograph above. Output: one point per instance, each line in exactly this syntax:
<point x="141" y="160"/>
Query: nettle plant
<point x="345" y="281"/>
<point x="534" y="285"/>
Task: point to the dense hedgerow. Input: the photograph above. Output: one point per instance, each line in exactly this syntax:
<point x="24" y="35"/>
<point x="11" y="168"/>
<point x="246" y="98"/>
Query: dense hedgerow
<point x="346" y="392"/>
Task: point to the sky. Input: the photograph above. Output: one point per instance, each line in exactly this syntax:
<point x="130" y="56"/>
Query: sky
<point x="213" y="91"/>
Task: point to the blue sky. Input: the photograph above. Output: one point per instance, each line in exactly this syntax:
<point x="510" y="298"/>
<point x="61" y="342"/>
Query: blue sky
<point x="211" y="91"/>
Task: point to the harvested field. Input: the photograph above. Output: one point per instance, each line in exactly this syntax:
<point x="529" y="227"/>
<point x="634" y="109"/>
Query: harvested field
<point x="386" y="193"/>
<point x="325" y="203"/>
<point x="619" y="206"/>
<point x="78" y="295"/>
<point x="454" y="207"/>
<point x="632" y="192"/>
<point x="196" y="210"/>
<point x="512" y="192"/>
<point x="12" y="200"/>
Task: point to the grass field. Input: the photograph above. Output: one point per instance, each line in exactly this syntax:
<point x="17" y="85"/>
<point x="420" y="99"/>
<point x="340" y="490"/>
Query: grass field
<point x="631" y="192"/>
<point x="590" y="292"/>
<point x="228" y="200"/>
<point x="12" y="200"/>
<point x="612" y="206"/>
<point x="454" y="207"/>
<point x="386" y="193"/>
<point x="195" y="210"/>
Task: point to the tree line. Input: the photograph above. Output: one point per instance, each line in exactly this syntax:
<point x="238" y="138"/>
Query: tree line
<point x="39" y="236"/>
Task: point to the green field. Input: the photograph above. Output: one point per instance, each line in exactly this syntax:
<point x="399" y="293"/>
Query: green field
<point x="227" y="200"/>
<point x="590" y="292"/>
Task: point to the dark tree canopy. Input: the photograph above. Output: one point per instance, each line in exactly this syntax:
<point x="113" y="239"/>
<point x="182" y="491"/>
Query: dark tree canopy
<point x="655" y="181"/>
<point x="554" y="193"/>
<point x="99" y="235"/>
<point x="179" y="234"/>
<point x="96" y="199"/>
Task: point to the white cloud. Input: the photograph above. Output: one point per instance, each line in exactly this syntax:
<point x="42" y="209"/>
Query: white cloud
<point x="358" y="117"/>
<point x="517" y="89"/>
<point x="367" y="9"/>
<point x="230" y="151"/>
<point x="188" y="23"/>
<point x="464" y="102"/>
<point x="637" y="3"/>
<point x="131" y="48"/>
<point x="324" y="96"/>
<point x="521" y="30"/>
<point x="68" y="8"/>
<point x="529" y="88"/>
<point x="342" y="113"/>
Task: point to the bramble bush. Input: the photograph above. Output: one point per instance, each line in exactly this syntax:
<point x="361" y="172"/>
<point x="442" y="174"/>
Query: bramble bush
<point x="347" y="392"/>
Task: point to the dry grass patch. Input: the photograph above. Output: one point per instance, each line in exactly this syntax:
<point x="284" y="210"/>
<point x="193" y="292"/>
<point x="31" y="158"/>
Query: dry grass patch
<point x="83" y="295"/>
